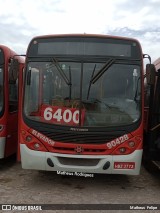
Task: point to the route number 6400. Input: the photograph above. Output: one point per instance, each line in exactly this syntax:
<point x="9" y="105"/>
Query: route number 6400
<point x="61" y="115"/>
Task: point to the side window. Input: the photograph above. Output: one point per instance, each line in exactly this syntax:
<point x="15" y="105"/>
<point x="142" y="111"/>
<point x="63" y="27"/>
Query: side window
<point x="13" y="85"/>
<point x="13" y="96"/>
<point x="1" y="88"/>
<point x="33" y="92"/>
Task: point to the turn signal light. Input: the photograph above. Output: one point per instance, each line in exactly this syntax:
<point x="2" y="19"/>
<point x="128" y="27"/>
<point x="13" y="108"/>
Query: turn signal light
<point x="36" y="146"/>
<point x="28" y="138"/>
<point x="131" y="143"/>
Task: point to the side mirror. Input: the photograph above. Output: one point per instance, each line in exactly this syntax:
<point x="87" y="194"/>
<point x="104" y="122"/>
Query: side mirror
<point x="150" y="74"/>
<point x="13" y="70"/>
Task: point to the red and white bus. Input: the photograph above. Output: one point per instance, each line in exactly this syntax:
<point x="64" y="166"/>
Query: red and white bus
<point x="10" y="66"/>
<point x="82" y="104"/>
<point x="152" y="118"/>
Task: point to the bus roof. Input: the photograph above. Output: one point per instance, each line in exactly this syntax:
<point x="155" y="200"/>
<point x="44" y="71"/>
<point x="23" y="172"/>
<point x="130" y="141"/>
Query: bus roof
<point x="9" y="53"/>
<point x="86" y="35"/>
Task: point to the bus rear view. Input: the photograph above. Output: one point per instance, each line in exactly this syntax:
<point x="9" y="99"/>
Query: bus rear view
<point x="82" y="106"/>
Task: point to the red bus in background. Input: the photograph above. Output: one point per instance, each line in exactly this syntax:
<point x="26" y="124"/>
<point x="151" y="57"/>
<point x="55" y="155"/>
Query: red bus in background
<point x="10" y="66"/>
<point x="81" y="107"/>
<point x="157" y="64"/>
<point x="151" y="156"/>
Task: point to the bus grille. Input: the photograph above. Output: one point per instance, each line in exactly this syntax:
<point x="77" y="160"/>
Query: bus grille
<point x="78" y="161"/>
<point x="79" y="137"/>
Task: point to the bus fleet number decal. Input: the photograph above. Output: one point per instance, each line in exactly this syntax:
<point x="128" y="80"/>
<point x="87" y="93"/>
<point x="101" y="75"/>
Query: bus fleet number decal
<point x="117" y="141"/>
<point x="62" y="115"/>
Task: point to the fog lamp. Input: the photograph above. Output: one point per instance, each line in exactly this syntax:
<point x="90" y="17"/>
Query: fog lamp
<point x="122" y="150"/>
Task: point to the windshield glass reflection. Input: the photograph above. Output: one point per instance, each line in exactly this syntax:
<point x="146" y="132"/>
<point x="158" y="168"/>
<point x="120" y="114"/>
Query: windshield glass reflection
<point x="64" y="93"/>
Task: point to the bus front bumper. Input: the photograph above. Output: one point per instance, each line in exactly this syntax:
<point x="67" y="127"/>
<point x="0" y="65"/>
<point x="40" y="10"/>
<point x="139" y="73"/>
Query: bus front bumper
<point x="106" y="164"/>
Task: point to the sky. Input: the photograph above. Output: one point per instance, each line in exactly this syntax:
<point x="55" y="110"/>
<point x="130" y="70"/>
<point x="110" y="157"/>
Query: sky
<point x="21" y="20"/>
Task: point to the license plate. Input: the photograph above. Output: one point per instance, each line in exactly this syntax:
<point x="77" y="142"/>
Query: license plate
<point x="124" y="165"/>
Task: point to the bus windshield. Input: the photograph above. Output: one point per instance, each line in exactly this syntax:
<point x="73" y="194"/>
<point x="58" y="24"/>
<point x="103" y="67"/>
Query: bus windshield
<point x="83" y="93"/>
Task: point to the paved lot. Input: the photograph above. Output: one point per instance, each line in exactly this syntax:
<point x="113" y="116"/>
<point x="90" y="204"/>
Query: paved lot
<point x="18" y="186"/>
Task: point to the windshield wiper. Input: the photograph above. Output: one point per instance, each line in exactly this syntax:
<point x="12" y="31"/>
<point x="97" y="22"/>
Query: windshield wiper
<point x="70" y="83"/>
<point x="61" y="71"/>
<point x="102" y="70"/>
<point x="89" y="88"/>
